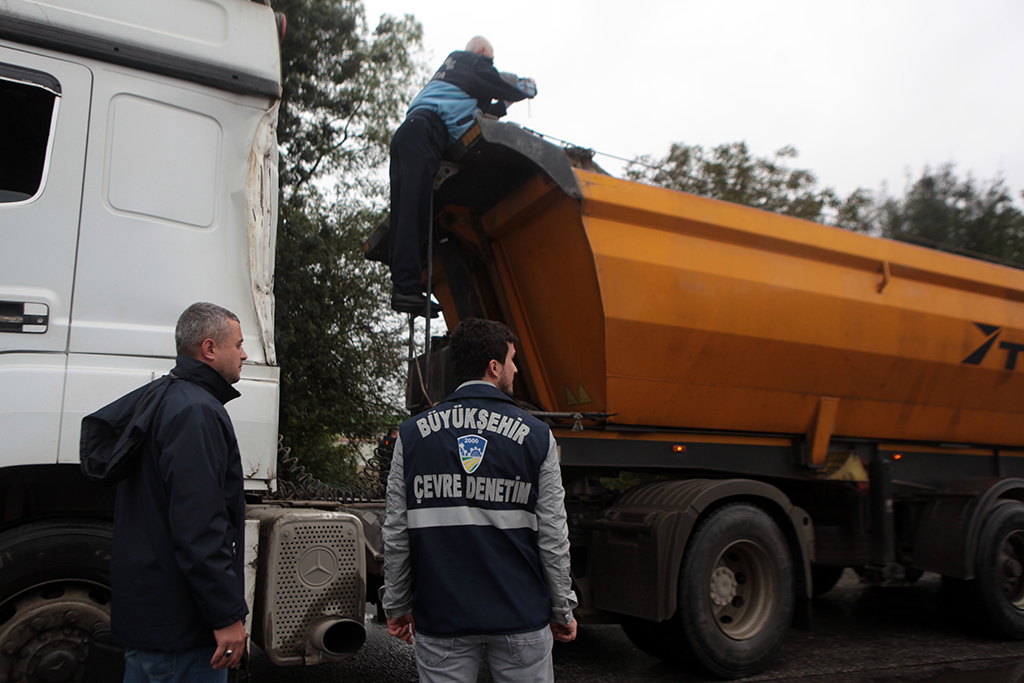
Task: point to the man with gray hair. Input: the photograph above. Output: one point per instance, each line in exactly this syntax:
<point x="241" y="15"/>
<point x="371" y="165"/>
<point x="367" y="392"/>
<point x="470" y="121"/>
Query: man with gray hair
<point x="178" y="592"/>
<point x="465" y="85"/>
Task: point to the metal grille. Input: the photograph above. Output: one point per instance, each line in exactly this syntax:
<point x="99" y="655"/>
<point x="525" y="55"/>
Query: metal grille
<point x="307" y="551"/>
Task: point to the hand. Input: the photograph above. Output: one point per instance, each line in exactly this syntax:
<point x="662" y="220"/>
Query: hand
<point x="402" y="628"/>
<point x="230" y="646"/>
<point x="564" y="633"/>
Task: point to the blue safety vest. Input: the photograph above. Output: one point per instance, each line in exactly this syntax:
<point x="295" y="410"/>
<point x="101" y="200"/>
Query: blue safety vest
<point x="472" y="467"/>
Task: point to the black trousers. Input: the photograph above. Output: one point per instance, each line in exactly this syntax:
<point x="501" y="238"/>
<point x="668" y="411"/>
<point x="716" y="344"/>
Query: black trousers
<point x="416" y="151"/>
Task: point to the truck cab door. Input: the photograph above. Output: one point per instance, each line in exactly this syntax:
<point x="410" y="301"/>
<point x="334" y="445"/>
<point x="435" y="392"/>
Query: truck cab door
<point x="44" y="119"/>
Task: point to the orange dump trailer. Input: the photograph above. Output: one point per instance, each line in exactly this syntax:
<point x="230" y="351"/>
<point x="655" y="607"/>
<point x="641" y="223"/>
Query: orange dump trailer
<point x="792" y="399"/>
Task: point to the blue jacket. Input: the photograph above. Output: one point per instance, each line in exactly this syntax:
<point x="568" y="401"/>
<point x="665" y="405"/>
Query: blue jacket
<point x="176" y="567"/>
<point x="465" y="83"/>
<point x="464" y="490"/>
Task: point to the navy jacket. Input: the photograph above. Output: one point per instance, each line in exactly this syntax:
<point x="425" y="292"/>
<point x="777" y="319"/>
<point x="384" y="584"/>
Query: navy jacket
<point x="176" y="569"/>
<point x="472" y="473"/>
<point x="466" y="83"/>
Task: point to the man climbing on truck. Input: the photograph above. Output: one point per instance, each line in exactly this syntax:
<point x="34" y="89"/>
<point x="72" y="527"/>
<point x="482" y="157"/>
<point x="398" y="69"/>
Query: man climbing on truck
<point x="465" y="84"/>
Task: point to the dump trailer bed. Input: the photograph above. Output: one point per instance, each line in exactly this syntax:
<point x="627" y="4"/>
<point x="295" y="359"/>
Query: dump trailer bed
<point x="784" y="399"/>
<point x="670" y="310"/>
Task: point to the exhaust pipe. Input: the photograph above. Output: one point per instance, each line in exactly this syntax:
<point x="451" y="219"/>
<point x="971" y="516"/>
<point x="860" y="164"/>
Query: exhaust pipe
<point x="336" y="636"/>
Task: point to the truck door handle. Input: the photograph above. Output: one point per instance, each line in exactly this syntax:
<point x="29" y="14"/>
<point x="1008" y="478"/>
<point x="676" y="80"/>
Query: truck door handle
<point x="27" y="317"/>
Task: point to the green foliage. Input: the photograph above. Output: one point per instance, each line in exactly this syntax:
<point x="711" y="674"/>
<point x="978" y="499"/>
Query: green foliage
<point x="942" y="211"/>
<point x="858" y="212"/>
<point x="340" y="350"/>
<point x="730" y="173"/>
<point x="938" y="210"/>
<point x="343" y="91"/>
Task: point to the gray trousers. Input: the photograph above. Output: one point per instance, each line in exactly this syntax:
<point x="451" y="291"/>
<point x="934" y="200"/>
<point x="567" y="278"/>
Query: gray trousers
<point x="516" y="658"/>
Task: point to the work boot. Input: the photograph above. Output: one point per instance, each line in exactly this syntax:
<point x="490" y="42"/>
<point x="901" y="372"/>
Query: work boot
<point x="415" y="304"/>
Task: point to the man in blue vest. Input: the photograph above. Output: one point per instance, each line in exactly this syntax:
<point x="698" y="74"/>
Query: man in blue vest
<point x="476" y="547"/>
<point x="466" y="84"/>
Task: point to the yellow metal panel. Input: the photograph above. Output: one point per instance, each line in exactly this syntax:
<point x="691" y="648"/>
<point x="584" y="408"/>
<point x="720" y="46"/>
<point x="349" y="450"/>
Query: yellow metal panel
<point x="682" y="312"/>
<point x="545" y="268"/>
<point x="821" y="430"/>
<point x="565" y="432"/>
<point x="725" y="317"/>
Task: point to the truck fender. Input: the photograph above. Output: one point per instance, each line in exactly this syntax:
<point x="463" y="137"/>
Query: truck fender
<point x="638" y="543"/>
<point x="947" y="536"/>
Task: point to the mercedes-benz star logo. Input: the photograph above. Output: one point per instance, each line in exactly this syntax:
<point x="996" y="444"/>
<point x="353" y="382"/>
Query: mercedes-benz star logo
<point x="317" y="566"/>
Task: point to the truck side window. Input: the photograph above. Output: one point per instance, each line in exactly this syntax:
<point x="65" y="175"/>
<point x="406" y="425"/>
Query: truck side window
<point x="27" y="118"/>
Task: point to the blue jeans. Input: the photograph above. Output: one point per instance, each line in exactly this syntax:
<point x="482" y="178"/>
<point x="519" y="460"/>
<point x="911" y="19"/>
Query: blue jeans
<point x="516" y="658"/>
<point x="191" y="666"/>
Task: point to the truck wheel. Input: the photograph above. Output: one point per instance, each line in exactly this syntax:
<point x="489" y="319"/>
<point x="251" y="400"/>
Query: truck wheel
<point x="54" y="596"/>
<point x="736" y="591"/>
<point x="999" y="569"/>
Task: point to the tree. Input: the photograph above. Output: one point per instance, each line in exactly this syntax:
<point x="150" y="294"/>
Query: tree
<point x="729" y="172"/>
<point x="340" y="350"/>
<point x="942" y="211"/>
<point x="938" y="210"/>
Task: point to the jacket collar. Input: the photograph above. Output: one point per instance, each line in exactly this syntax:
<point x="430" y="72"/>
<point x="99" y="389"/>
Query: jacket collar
<point x="480" y="389"/>
<point x="198" y="372"/>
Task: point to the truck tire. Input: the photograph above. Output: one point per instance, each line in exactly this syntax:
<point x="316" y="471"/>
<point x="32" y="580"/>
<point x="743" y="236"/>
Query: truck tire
<point x="736" y="591"/>
<point x="54" y="596"/>
<point x="999" y="569"/>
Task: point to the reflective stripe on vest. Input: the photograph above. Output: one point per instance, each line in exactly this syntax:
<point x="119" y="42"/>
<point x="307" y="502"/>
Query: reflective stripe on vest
<point x="423" y="518"/>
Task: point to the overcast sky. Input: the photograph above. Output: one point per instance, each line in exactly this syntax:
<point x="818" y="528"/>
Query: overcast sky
<point x="867" y="91"/>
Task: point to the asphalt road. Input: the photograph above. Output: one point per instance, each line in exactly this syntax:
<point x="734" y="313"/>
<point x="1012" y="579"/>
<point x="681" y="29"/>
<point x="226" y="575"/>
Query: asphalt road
<point x="861" y="635"/>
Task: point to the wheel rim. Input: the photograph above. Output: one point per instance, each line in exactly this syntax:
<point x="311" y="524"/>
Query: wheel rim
<point x="742" y="590"/>
<point x="45" y="631"/>
<point x="1011" y="568"/>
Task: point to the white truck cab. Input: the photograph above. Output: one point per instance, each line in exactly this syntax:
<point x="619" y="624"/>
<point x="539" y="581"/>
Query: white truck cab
<point x="138" y="174"/>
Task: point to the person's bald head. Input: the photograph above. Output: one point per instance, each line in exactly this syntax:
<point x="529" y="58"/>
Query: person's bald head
<point x="480" y="46"/>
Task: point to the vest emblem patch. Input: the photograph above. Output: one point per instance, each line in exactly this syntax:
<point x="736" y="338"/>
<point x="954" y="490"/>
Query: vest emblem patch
<point x="471" y="451"/>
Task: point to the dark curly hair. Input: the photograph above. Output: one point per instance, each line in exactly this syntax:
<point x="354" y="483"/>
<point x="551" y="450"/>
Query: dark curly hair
<point x="475" y="343"/>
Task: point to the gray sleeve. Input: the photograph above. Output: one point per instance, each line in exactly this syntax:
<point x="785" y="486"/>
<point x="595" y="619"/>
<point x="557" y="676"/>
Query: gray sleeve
<point x="396" y="595"/>
<point x="553" y="537"/>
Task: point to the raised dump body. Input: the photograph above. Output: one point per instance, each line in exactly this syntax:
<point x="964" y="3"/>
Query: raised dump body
<point x="791" y="399"/>
<point x="670" y="310"/>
